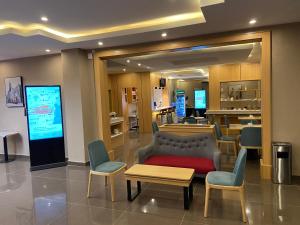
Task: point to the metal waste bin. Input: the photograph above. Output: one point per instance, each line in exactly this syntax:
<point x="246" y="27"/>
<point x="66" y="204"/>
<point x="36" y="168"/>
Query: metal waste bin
<point x="282" y="162"/>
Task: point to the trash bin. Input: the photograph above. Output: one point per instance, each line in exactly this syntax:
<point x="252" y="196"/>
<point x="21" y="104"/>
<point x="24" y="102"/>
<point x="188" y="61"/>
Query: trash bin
<point x="282" y="163"/>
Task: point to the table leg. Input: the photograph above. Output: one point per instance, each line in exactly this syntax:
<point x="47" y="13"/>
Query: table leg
<point x="5" y="149"/>
<point x="129" y="195"/>
<point x="186" y="198"/>
<point x="191" y="194"/>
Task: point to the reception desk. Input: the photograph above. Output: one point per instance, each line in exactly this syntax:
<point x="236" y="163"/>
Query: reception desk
<point x="187" y="129"/>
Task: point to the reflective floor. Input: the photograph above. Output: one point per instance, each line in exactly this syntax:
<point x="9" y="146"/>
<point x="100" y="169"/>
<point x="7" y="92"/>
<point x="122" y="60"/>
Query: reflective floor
<point x="58" y="196"/>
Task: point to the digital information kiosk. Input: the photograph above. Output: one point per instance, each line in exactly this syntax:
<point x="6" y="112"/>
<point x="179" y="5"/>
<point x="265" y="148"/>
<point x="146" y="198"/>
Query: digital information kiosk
<point x="45" y="126"/>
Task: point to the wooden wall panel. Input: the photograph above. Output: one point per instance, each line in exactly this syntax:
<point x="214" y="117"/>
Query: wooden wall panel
<point x="146" y="103"/>
<point x="250" y="71"/>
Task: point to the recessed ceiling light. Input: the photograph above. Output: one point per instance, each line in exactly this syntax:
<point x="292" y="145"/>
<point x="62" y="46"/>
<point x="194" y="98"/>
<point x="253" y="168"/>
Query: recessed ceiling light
<point x="139" y="64"/>
<point x="44" y="19"/>
<point x="253" y="21"/>
<point x="250" y="55"/>
<point x="164" y="34"/>
<point x="100" y="43"/>
<point x="47" y="50"/>
<point x="128" y="60"/>
<point x="124" y="70"/>
<point x="148" y="67"/>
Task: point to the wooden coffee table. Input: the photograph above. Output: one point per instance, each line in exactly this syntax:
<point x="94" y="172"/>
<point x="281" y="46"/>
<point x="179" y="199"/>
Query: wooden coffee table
<point x="161" y="175"/>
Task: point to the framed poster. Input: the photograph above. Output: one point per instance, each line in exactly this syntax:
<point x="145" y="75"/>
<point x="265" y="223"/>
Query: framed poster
<point x="14" y="92"/>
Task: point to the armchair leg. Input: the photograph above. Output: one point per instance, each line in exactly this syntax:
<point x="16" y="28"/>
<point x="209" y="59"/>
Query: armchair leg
<point x="106" y="181"/>
<point x="206" y="198"/>
<point x="112" y="187"/>
<point x="235" y="149"/>
<point x="89" y="184"/>
<point x="242" y="196"/>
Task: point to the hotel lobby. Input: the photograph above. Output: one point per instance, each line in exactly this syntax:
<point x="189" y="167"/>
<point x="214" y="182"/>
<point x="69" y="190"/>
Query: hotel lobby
<point x="149" y="112"/>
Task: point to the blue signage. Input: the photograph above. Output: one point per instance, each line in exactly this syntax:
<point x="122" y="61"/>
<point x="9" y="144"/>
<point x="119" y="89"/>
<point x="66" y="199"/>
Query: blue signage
<point x="200" y="99"/>
<point x="180" y="106"/>
<point x="44" y="112"/>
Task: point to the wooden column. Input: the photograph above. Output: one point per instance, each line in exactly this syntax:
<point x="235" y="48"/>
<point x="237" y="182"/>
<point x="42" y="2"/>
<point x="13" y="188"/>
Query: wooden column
<point x="266" y="161"/>
<point x="101" y="87"/>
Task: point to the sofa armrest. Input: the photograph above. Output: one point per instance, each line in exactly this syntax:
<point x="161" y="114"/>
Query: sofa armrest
<point x="145" y="152"/>
<point x="216" y="158"/>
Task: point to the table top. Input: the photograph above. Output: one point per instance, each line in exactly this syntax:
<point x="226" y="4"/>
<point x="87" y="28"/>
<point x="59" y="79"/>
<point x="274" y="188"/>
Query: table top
<point x="241" y="126"/>
<point x="182" y="125"/>
<point x="161" y="172"/>
<point x="7" y="133"/>
<point x="232" y="112"/>
<point x="249" y="117"/>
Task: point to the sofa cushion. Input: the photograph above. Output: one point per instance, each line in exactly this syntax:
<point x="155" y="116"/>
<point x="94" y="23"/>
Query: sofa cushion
<point x="201" y="165"/>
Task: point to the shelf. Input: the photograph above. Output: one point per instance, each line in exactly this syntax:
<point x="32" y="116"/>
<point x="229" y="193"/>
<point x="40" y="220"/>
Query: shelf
<point x="116" y="135"/>
<point x="245" y="90"/>
<point x="242" y="100"/>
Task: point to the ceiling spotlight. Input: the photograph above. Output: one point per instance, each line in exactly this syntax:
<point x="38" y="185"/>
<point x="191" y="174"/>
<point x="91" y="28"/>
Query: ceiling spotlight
<point x="44" y="19"/>
<point x="164" y="34"/>
<point x="253" y="21"/>
<point x="47" y="50"/>
<point x="250" y="55"/>
<point x="124" y="70"/>
<point x="128" y="60"/>
<point x="100" y="43"/>
<point x="139" y="64"/>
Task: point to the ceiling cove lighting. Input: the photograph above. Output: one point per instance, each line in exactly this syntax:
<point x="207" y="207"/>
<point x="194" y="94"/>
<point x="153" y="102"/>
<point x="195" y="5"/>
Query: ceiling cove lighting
<point x="47" y="50"/>
<point x="69" y="37"/>
<point x="164" y="34"/>
<point x="44" y="19"/>
<point x="100" y="43"/>
<point x="252" y="21"/>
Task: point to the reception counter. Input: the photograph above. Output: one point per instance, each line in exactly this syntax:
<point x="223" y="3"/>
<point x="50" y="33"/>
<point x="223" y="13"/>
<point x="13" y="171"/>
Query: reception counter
<point x="187" y="129"/>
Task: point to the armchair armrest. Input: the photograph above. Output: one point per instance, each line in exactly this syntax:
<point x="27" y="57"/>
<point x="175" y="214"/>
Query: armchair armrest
<point x="145" y="152"/>
<point x="216" y="159"/>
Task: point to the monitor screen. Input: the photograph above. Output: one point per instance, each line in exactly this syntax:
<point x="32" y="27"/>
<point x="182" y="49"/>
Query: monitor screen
<point x="200" y="99"/>
<point x="44" y="112"/>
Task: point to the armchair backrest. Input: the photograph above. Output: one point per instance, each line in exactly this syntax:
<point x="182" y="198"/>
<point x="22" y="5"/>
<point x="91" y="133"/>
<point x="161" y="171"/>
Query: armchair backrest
<point x="239" y="168"/>
<point x="190" y="120"/>
<point x="218" y="130"/>
<point x="155" y="127"/>
<point x="97" y="153"/>
<point x="251" y="136"/>
<point x="200" y="145"/>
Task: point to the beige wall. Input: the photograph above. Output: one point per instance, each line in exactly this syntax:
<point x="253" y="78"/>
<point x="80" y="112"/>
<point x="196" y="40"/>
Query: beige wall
<point x="44" y="70"/>
<point x="79" y="102"/>
<point x="285" y="88"/>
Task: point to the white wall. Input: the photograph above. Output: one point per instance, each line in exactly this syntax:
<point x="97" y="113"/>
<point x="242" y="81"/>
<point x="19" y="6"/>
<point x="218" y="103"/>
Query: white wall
<point x="286" y="88"/>
<point x="35" y="71"/>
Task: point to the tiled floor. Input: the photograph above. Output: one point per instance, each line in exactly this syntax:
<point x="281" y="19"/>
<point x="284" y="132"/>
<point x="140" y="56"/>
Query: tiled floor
<point x="58" y="196"/>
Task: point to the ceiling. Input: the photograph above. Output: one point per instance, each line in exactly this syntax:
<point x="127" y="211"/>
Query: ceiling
<point x="81" y="24"/>
<point x="187" y="63"/>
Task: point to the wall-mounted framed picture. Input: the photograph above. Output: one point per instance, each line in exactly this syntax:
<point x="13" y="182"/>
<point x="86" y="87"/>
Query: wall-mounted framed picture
<point x="14" y="92"/>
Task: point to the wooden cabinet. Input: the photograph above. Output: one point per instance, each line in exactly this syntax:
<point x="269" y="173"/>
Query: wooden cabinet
<point x="250" y="71"/>
<point x="227" y="73"/>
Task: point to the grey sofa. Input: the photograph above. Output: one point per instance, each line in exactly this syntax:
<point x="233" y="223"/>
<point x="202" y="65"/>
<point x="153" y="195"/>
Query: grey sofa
<point x="185" y="149"/>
